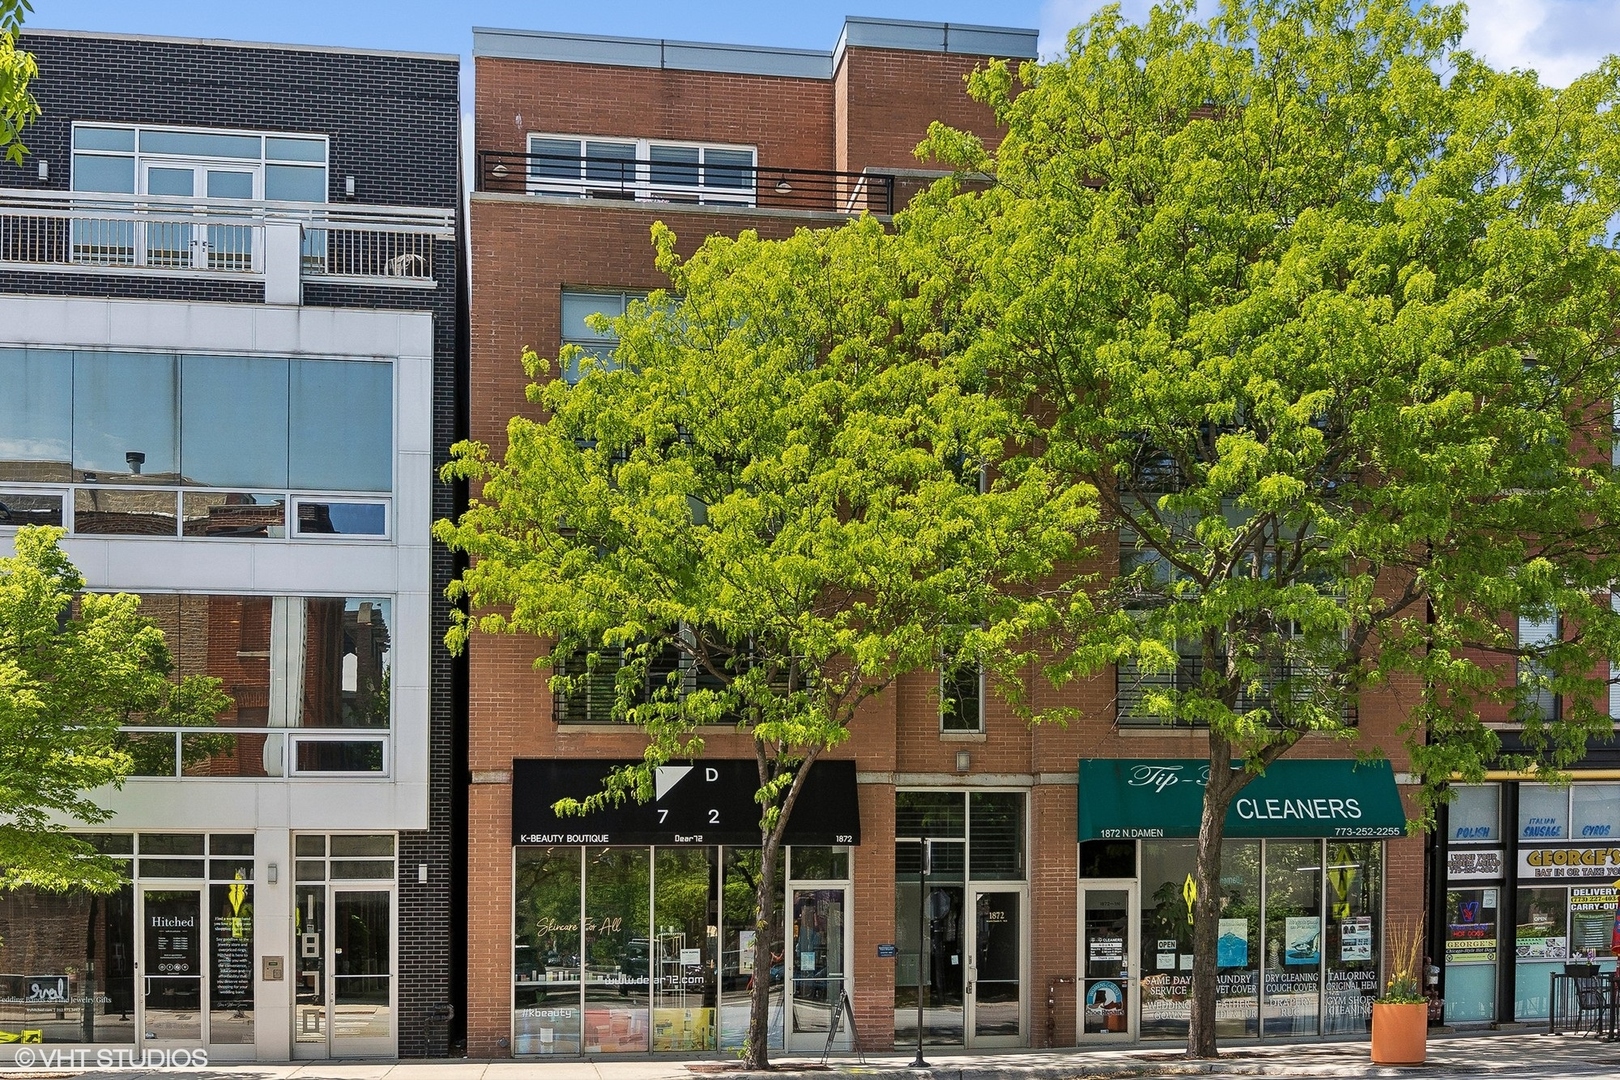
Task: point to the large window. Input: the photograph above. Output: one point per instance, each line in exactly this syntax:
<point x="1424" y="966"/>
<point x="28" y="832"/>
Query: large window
<point x="209" y="164"/>
<point x="605" y="167"/>
<point x="309" y="680"/>
<point x="257" y="429"/>
<point x="634" y="949"/>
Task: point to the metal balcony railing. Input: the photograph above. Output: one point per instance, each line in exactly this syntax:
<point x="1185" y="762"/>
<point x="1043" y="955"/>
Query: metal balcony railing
<point x="60" y="230"/>
<point x="760" y="186"/>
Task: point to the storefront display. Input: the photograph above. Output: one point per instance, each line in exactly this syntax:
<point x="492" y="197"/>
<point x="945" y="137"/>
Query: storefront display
<point x="1301" y="907"/>
<point x="1560" y="862"/>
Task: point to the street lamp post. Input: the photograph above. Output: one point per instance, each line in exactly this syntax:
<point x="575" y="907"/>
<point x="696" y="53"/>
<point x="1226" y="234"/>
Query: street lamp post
<point x="924" y="932"/>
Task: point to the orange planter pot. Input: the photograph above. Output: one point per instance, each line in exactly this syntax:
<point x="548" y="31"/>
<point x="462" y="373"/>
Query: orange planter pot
<point x="1400" y="1034"/>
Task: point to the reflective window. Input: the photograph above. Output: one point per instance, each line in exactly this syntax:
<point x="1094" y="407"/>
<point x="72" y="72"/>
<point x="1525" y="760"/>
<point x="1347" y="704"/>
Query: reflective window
<point x="610" y="162"/>
<point x="577" y="307"/>
<point x="327" y="518"/>
<point x="342" y="425"/>
<point x="1293" y="945"/>
<point x="19" y="508"/>
<point x="294" y="183"/>
<point x="199" y="144"/>
<point x="559" y="158"/>
<point x="283" y="148"/>
<point x="233" y="421"/>
<point x="233" y="514"/>
<point x="1353" y="938"/>
<point x="546" y="952"/>
<point x="96" y="172"/>
<point x="339" y="756"/>
<point x="94" y="138"/>
<point x="728" y="168"/>
<point x="76" y="950"/>
<point x="674" y="164"/>
<point x="618" y="951"/>
<point x="36" y="414"/>
<point x="124" y="424"/>
<point x="996" y="835"/>
<point x="124" y="512"/>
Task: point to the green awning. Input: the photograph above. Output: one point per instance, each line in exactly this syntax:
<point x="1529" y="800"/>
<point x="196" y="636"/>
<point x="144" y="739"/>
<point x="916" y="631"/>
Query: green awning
<point x="1136" y="799"/>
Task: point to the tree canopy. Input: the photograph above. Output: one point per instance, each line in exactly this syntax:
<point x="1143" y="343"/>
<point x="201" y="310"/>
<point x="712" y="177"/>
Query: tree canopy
<point x="772" y="500"/>
<point x="1324" y="308"/>
<point x="74" y="666"/>
<point x="18" y="108"/>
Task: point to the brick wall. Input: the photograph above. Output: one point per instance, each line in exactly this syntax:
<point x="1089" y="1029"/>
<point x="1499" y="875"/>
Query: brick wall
<point x="525" y="251"/>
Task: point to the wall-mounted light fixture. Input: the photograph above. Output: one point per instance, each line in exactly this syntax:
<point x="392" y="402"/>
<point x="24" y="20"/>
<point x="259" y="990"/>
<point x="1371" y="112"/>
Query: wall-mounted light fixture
<point x="964" y="761"/>
<point x="348" y="186"/>
<point x="421" y="873"/>
<point x="275" y="873"/>
<point x="783" y="187"/>
<point x="44" y="169"/>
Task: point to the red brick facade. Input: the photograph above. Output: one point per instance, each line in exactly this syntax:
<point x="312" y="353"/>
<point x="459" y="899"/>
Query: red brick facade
<point x="526" y="249"/>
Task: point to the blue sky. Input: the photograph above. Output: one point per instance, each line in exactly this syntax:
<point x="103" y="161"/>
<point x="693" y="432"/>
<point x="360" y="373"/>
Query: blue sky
<point x="1560" y="38"/>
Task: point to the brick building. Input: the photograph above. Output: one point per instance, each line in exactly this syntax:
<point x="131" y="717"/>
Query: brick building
<point x="609" y="935"/>
<point x="231" y="293"/>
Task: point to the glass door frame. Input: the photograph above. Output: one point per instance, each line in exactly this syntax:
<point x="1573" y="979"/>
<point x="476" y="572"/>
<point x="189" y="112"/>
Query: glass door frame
<point x="328" y="1049"/>
<point x="792" y="1039"/>
<point x="972" y="890"/>
<point x="204" y="987"/>
<point x="201" y="240"/>
<point x="1133" y="946"/>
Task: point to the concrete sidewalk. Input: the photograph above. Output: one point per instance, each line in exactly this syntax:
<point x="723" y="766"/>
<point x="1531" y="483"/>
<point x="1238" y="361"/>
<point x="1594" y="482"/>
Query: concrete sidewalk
<point x="1527" y="1055"/>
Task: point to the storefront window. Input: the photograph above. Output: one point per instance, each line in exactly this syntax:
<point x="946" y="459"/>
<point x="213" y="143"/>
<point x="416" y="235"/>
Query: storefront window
<point x="684" y="1005"/>
<point x="546" y="954"/>
<point x="1543" y="812"/>
<point x="1293" y="937"/>
<point x="1471" y="921"/>
<point x="68" y="963"/>
<point x="618" y="954"/>
<point x="1168" y="893"/>
<point x="1475" y="813"/>
<point x="738" y="930"/>
<point x="1594" y="811"/>
<point x="1353" y="937"/>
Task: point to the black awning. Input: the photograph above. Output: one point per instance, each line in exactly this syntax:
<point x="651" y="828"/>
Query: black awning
<point x="697" y="803"/>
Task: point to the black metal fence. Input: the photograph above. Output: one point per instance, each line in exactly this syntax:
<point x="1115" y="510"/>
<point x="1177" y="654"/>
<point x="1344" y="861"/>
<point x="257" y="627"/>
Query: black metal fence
<point x="628" y="179"/>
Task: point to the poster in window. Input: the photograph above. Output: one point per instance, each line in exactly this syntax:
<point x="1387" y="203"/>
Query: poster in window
<point x="1232" y="948"/>
<point x="1302" y="940"/>
<point x="1355" y="939"/>
<point x="1591" y="919"/>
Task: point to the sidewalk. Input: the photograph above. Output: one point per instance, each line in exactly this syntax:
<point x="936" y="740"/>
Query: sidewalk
<point x="1537" y="1055"/>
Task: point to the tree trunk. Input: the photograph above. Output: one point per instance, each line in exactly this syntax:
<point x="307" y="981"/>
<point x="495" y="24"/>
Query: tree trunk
<point x="1218" y="792"/>
<point x="759" y="1011"/>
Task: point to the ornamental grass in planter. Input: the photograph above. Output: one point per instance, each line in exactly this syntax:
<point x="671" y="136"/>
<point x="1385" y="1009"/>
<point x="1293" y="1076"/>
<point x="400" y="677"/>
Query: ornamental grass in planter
<point x="1400" y="1016"/>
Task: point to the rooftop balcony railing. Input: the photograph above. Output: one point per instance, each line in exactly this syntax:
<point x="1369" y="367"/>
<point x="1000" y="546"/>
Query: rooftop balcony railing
<point x="753" y="186"/>
<point x="63" y="230"/>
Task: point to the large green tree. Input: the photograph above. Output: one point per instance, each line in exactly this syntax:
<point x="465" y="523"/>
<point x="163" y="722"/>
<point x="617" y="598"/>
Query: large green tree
<point x="74" y="666"/>
<point x="1325" y="310"/>
<point x="18" y="108"/>
<point x="772" y="501"/>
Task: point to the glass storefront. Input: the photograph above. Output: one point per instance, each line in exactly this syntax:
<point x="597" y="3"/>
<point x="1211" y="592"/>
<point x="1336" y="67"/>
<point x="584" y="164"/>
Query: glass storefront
<point x="651" y="949"/>
<point x="1299" y="937"/>
<point x="68" y="960"/>
<point x="969" y="970"/>
<point x="1530" y="885"/>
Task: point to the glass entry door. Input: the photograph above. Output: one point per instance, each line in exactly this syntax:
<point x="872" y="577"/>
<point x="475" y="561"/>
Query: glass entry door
<point x="1107" y="942"/>
<point x="345" y="991"/>
<point x="994" y="996"/>
<point x="817" y="955"/>
<point x="182" y="245"/>
<point x="173" y="968"/>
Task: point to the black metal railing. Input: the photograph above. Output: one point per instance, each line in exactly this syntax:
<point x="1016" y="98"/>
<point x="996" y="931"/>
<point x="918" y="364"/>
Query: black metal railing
<point x="637" y="180"/>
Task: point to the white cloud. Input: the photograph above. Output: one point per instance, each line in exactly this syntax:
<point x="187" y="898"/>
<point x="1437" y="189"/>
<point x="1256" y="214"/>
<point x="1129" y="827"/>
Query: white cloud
<point x="1560" y="39"/>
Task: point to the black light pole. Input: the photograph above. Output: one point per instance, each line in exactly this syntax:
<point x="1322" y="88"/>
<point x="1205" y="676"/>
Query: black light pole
<point x="924" y="932"/>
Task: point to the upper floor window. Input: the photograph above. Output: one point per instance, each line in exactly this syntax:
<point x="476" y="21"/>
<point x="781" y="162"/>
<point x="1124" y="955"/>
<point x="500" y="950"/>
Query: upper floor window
<point x="1538" y="633"/>
<point x="161" y="419"/>
<point x="602" y="167"/>
<point x="190" y="162"/>
<point x="580" y="305"/>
